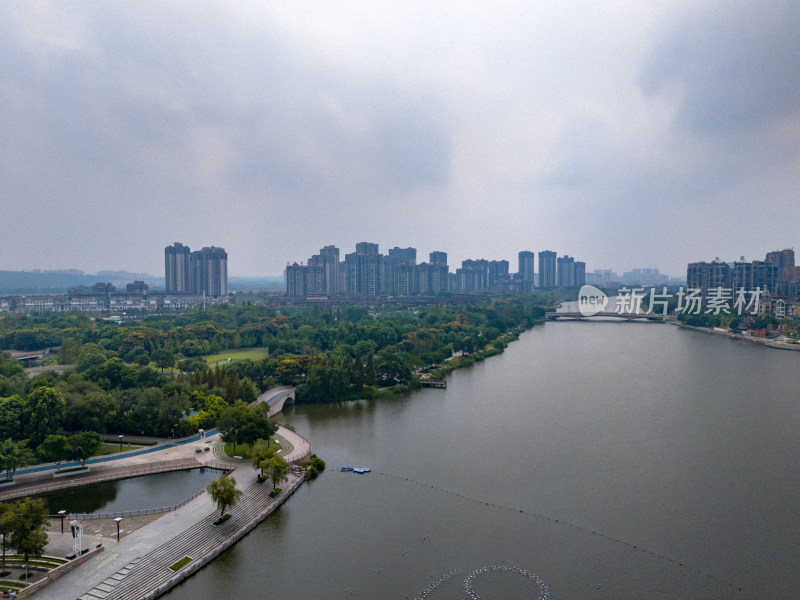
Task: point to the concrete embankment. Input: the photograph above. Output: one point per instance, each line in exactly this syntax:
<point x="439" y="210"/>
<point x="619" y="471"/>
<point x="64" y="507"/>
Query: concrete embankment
<point x="730" y="334"/>
<point x="139" y="566"/>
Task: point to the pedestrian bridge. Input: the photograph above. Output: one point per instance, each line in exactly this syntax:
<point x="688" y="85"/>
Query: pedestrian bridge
<point x="577" y="316"/>
<point x="276" y="398"/>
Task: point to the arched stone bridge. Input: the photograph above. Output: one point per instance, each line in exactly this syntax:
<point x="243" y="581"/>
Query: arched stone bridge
<point x="276" y="398"/>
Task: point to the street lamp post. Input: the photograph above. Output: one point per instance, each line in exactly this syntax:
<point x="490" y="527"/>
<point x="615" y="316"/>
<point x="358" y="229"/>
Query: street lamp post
<point x="120" y="442"/>
<point x="61" y="514"/>
<point x="118" y="519"/>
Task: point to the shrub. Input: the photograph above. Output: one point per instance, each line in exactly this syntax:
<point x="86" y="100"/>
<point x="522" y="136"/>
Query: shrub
<point x="221" y="520"/>
<point x="317" y="463"/>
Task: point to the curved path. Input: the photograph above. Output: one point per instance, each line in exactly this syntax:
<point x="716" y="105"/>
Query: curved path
<point x="137" y="567"/>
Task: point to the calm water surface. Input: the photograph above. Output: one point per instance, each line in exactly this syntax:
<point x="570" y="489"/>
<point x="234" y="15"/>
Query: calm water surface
<point x="150" y="491"/>
<point x="611" y="460"/>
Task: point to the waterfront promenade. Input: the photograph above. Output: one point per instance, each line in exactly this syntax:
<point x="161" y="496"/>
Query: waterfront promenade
<point x="138" y="567"/>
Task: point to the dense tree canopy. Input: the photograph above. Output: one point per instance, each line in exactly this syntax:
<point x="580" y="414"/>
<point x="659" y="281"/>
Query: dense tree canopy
<point x="124" y="380"/>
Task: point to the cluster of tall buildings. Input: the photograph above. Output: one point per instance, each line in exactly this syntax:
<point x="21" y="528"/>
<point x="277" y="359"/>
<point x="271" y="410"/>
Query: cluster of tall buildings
<point x="202" y="272"/>
<point x="367" y="272"/>
<point x="776" y="274"/>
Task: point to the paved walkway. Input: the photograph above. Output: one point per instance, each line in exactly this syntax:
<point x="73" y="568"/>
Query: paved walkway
<point x="138" y="565"/>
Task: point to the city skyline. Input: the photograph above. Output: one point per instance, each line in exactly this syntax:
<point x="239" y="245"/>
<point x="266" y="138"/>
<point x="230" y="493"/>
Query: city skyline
<point x="668" y="132"/>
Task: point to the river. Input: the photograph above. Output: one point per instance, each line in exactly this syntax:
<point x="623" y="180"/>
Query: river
<point x="590" y="460"/>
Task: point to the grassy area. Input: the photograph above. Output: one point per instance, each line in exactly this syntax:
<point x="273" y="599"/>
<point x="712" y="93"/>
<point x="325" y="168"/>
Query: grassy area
<point x="126" y="441"/>
<point x="236" y="354"/>
<point x="5" y="584"/>
<point x="180" y="563"/>
<point x="243" y="450"/>
<point x="34" y="562"/>
<point x="107" y="448"/>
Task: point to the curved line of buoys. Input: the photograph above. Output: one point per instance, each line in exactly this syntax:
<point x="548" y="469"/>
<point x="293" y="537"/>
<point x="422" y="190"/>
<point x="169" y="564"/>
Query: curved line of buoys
<point x="544" y="591"/>
<point x="563" y="523"/>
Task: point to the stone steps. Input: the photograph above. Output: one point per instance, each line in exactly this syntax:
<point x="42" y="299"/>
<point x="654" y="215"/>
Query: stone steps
<point x="150" y="575"/>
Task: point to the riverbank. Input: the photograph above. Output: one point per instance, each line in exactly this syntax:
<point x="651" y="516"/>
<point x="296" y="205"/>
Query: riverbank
<point x="139" y="565"/>
<point x="730" y="334"/>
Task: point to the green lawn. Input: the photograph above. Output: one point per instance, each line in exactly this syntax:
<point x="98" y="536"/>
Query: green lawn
<point x="180" y="563"/>
<point x="106" y="448"/>
<point x="243" y="450"/>
<point x="236" y="354"/>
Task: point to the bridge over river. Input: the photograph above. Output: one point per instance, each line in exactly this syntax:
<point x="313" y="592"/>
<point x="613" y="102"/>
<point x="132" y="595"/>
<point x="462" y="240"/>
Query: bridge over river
<point x="276" y="398"/>
<point x="578" y="316"/>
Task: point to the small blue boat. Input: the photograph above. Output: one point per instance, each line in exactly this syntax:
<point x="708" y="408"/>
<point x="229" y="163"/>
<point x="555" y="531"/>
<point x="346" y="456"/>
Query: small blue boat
<point x="346" y="469"/>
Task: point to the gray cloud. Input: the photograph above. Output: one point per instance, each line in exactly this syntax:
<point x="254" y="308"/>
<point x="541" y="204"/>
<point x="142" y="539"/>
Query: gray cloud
<point x="735" y="65"/>
<point x="615" y="135"/>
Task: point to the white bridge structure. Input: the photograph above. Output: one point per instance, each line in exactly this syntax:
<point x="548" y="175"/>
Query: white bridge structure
<point x="625" y="316"/>
<point x="276" y="398"/>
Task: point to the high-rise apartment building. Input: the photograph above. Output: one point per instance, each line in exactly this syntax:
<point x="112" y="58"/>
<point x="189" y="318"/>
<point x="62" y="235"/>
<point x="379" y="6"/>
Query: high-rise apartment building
<point x="364" y="270"/>
<point x="209" y="271"/>
<point x="565" y="276"/>
<point x="547" y="269"/>
<point x="705" y="275"/>
<point x="498" y="272"/>
<point x="580" y="273"/>
<point x="177" y="275"/>
<point x="438" y="258"/>
<point x="526" y="258"/>
<point x="326" y="271"/>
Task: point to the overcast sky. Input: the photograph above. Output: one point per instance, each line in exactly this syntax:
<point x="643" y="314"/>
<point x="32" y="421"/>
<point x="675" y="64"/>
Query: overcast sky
<point x="626" y="134"/>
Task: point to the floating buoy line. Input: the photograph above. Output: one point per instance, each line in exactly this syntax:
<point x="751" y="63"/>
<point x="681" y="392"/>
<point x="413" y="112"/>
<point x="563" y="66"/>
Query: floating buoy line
<point x="428" y="590"/>
<point x="544" y="591"/>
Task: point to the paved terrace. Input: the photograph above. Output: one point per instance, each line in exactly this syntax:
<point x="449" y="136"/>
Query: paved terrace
<point x="138" y="567"/>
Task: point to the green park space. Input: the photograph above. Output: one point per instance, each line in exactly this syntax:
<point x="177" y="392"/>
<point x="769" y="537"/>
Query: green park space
<point x="235" y="354"/>
<point x="106" y="448"/>
<point x="210" y="365"/>
<point x="243" y="449"/>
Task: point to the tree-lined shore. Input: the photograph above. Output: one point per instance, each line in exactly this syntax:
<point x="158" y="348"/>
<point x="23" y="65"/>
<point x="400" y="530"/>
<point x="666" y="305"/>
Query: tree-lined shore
<point x="150" y="377"/>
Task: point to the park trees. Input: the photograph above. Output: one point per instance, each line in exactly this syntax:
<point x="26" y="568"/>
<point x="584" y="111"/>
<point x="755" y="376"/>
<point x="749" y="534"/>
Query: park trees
<point x="83" y="445"/>
<point x="94" y="411"/>
<point x="46" y="409"/>
<point x="243" y="424"/>
<point x="7" y="518"/>
<point x="231" y="422"/>
<point x="276" y="469"/>
<point x="54" y="449"/>
<point x="273" y="466"/>
<point x="29" y="531"/>
<point x="12" y="416"/>
<point x="163" y="359"/>
<point x="13" y="455"/>
<point x="224" y="493"/>
<point x="256" y="426"/>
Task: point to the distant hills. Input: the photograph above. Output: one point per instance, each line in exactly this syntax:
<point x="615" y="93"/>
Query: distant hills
<point x="57" y="282"/>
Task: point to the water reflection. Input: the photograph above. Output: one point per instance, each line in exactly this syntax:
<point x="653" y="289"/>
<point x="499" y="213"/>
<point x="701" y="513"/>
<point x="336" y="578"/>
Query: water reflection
<point x="139" y="493"/>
